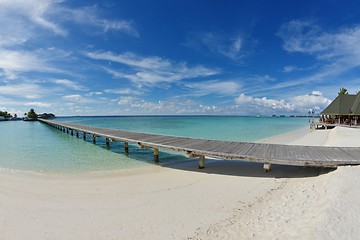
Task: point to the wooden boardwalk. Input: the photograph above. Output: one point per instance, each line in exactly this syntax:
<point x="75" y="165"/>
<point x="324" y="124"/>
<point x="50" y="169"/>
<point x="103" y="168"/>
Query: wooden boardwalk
<point x="194" y="147"/>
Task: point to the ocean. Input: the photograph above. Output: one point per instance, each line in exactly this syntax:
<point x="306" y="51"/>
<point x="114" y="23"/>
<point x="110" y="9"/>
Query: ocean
<point x="34" y="146"/>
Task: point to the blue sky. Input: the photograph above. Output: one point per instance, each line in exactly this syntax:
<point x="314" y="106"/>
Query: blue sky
<point x="176" y="57"/>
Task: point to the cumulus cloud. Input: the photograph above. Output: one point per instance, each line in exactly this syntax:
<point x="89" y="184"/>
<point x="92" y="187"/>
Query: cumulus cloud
<point x="299" y="104"/>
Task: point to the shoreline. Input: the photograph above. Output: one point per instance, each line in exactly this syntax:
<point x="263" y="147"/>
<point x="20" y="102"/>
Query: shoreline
<point x="228" y="199"/>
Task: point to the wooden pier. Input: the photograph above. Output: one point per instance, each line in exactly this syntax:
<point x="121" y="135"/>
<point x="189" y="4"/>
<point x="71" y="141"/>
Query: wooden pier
<point x="267" y="154"/>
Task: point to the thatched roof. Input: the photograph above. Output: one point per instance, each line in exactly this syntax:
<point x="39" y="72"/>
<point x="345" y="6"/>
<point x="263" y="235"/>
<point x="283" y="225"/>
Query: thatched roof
<point x="343" y="104"/>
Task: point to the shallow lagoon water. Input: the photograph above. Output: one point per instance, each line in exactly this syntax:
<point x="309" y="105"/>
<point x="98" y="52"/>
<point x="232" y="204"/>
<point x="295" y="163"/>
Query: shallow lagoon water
<point x="34" y="146"/>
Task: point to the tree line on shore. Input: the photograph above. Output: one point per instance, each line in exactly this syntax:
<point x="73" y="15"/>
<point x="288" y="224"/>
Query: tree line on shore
<point x="29" y="115"/>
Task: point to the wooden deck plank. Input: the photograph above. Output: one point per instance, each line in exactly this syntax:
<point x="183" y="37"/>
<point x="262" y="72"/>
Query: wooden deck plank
<point x="260" y="152"/>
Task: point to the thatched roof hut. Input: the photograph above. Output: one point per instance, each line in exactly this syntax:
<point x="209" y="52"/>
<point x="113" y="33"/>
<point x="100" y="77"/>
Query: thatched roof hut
<point x="344" y="105"/>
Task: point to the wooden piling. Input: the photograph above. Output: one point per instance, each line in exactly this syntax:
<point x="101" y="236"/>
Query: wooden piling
<point x="267" y="167"/>
<point x="126" y="147"/>
<point x="77" y="134"/>
<point x="156" y="154"/>
<point x="201" y="162"/>
<point x="255" y="152"/>
<point x="107" y="142"/>
<point x="94" y="138"/>
<point x="72" y="132"/>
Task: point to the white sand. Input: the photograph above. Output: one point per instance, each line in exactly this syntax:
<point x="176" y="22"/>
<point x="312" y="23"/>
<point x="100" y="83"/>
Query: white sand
<point x="227" y="200"/>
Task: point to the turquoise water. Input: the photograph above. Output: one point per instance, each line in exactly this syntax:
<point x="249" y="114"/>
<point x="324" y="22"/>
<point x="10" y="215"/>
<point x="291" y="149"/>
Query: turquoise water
<point x="37" y="147"/>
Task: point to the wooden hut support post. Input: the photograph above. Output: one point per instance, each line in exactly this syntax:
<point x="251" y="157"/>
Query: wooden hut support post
<point x="84" y="135"/>
<point x="77" y="134"/>
<point x="267" y="167"/>
<point x="107" y="142"/>
<point x="94" y="138"/>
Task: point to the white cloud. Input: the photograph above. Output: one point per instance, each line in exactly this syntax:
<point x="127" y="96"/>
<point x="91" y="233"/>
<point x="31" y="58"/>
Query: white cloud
<point x="90" y="16"/>
<point x="37" y="104"/>
<point x="307" y="37"/>
<point x="98" y="93"/>
<point x="123" y="91"/>
<point x="128" y="101"/>
<point x="299" y="104"/>
<point x="337" y="52"/>
<point x="216" y="87"/>
<point x="227" y="46"/>
<point x="42" y="12"/>
<point x="263" y="102"/>
<point x="77" y="98"/>
<point x="12" y="62"/>
<point x="311" y="101"/>
<point x="221" y="44"/>
<point x="36" y="11"/>
<point x="316" y="93"/>
<point x="73" y="97"/>
<point x="69" y="84"/>
<point x="26" y="90"/>
<point x="150" y="70"/>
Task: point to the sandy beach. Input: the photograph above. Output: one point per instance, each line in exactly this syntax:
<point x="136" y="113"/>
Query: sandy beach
<point x="226" y="200"/>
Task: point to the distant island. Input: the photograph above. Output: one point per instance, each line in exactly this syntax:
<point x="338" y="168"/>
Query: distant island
<point x="29" y="116"/>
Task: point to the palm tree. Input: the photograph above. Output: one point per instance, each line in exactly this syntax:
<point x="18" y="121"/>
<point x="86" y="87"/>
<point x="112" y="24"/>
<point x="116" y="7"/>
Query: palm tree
<point x="343" y="91"/>
<point x="32" y="114"/>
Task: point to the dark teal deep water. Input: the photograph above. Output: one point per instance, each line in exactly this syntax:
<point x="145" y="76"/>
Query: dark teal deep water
<point x="35" y="146"/>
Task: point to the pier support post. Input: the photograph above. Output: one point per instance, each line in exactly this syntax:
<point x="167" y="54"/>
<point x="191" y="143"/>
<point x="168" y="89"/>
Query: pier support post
<point x="156" y="154"/>
<point x="201" y="162"/>
<point x="84" y="135"/>
<point x="67" y="130"/>
<point x="77" y="134"/>
<point x="72" y="132"/>
<point x="94" y="138"/>
<point x="107" y="142"/>
<point x="267" y="167"/>
<point x="126" y="147"/>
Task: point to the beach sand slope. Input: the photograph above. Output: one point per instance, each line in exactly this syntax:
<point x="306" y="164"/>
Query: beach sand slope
<point x="226" y="200"/>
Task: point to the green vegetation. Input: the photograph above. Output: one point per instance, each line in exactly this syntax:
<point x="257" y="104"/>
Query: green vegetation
<point x="32" y="114"/>
<point x="46" y="115"/>
<point x="5" y="114"/>
<point x="343" y="91"/>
